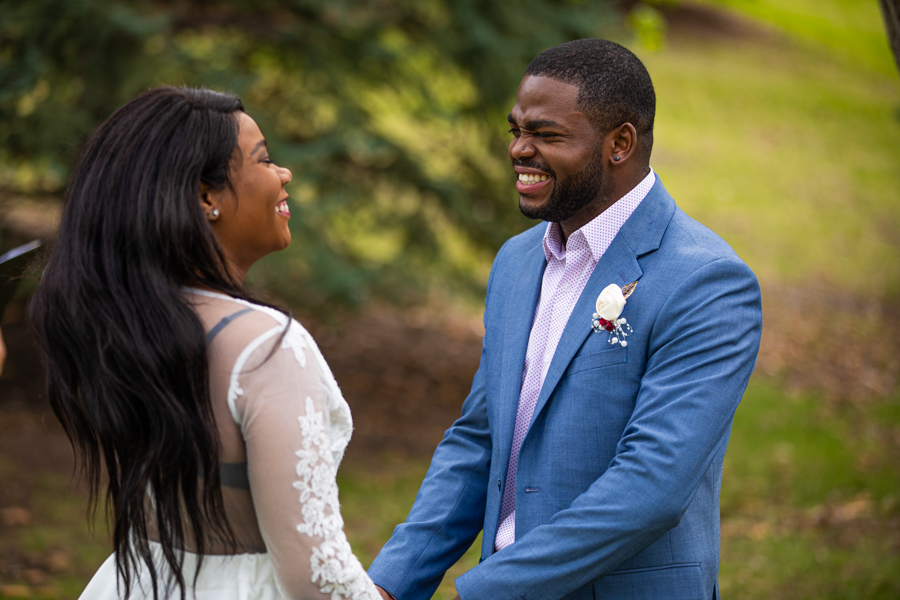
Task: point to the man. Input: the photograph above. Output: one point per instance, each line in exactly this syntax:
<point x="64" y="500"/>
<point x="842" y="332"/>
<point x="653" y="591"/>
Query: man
<point x="591" y="460"/>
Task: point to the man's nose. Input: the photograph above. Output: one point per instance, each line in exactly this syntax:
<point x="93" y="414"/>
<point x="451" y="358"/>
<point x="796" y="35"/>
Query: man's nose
<point x="521" y="148"/>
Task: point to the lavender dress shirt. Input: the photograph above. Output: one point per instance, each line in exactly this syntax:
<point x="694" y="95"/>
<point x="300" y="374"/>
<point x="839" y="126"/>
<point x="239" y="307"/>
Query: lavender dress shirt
<point x="568" y="269"/>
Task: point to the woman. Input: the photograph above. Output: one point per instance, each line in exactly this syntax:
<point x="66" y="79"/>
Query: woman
<point x="218" y="422"/>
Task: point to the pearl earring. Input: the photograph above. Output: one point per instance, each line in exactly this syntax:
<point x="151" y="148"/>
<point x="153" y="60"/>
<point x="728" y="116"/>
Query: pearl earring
<point x="213" y="214"/>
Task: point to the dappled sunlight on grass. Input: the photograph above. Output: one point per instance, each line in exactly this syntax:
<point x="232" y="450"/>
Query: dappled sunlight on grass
<point x="850" y="29"/>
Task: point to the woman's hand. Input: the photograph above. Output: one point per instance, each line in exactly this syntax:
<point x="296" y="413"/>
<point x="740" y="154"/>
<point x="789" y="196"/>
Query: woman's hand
<point x="385" y="594"/>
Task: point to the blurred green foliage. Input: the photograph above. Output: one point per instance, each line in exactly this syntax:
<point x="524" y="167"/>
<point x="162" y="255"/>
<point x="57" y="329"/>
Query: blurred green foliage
<point x="648" y="23"/>
<point x="389" y="112"/>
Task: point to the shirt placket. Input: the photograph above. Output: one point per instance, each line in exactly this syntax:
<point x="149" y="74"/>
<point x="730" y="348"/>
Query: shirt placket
<point x="555" y="310"/>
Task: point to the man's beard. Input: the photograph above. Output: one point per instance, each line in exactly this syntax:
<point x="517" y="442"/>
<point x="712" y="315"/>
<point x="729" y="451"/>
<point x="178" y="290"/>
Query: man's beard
<point x="568" y="196"/>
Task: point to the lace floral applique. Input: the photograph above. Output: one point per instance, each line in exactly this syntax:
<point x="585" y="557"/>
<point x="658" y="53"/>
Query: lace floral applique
<point x="297" y="339"/>
<point x="341" y="426"/>
<point x="334" y="567"/>
<point x="296" y="342"/>
<point x="331" y="562"/>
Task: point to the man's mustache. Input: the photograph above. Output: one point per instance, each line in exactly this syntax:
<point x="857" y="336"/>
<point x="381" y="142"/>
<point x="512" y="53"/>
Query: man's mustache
<point x="533" y="164"/>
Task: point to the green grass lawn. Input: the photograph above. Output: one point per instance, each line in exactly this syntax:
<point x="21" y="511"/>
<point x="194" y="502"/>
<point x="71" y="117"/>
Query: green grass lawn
<point x="849" y="29"/>
<point x="811" y="499"/>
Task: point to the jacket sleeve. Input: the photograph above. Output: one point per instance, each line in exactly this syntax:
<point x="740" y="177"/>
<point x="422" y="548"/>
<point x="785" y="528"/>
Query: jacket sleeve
<point x="701" y="353"/>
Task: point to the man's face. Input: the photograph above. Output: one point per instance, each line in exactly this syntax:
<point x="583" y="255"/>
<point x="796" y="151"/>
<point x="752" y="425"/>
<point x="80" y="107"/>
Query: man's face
<point x="555" y="151"/>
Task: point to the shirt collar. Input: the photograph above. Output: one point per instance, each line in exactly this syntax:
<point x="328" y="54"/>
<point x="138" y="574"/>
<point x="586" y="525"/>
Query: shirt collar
<point x="602" y="229"/>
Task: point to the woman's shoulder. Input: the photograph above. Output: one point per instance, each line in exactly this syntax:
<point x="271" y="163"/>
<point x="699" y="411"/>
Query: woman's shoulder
<point x="234" y="322"/>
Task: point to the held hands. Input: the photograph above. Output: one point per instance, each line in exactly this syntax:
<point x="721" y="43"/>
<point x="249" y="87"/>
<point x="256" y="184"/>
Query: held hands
<point x="385" y="594"/>
<point x="388" y="596"/>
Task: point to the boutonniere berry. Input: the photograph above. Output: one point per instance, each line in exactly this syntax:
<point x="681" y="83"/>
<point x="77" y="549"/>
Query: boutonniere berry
<point x="610" y="304"/>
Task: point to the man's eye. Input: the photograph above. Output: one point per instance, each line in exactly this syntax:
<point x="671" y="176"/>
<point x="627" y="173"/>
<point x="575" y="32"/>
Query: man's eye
<point x="268" y="161"/>
<point x="544" y="136"/>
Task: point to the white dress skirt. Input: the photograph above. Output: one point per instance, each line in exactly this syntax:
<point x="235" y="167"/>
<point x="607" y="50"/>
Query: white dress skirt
<point x="222" y="577"/>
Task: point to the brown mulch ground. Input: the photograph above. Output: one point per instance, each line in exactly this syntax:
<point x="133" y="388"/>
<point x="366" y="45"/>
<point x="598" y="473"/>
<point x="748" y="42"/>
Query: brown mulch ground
<point x="406" y="373"/>
<point x="833" y="341"/>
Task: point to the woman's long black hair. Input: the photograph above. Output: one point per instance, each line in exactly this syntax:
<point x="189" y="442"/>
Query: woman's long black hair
<point x="125" y="355"/>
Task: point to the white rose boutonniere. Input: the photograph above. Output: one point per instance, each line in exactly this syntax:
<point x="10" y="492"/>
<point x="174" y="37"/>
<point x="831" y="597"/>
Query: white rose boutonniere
<point x="610" y="304"/>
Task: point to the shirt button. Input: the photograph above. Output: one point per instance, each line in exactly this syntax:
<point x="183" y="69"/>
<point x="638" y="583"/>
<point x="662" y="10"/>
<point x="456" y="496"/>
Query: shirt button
<point x="566" y="288"/>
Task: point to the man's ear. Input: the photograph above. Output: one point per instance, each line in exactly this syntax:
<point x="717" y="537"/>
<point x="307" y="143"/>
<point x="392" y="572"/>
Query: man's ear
<point x="622" y="143"/>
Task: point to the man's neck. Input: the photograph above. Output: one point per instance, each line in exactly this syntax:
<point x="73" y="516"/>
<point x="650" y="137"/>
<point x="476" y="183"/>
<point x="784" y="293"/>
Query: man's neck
<point x="606" y="197"/>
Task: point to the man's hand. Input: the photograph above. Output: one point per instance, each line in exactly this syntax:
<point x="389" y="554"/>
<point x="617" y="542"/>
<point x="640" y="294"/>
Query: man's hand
<point x="384" y="594"/>
<point x="2" y="352"/>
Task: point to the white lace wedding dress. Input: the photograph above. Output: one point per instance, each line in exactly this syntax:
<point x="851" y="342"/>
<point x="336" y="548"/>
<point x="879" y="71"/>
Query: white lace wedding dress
<point x="284" y="426"/>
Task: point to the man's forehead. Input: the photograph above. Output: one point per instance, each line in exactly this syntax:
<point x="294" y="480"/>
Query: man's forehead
<point x="545" y="99"/>
<point x="539" y="85"/>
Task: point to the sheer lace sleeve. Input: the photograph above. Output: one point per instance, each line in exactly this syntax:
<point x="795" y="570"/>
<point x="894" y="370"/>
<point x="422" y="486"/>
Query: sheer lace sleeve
<point x="295" y="426"/>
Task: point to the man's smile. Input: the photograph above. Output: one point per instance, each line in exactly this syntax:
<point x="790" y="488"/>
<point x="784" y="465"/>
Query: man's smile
<point x="531" y="180"/>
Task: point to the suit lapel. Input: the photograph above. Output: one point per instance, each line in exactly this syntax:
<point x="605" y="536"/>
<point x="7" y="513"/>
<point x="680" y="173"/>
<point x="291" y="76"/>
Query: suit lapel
<point x="639" y="235"/>
<point x="517" y="321"/>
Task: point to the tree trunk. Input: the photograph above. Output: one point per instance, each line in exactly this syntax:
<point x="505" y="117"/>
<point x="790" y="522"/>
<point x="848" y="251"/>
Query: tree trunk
<point x="891" y="11"/>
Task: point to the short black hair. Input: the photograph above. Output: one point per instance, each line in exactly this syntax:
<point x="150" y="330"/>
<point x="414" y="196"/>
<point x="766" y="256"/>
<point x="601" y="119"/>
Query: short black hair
<point x="614" y="86"/>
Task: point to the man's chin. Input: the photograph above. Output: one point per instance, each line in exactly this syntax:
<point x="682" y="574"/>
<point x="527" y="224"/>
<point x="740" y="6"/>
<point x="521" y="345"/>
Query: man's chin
<point x="531" y="210"/>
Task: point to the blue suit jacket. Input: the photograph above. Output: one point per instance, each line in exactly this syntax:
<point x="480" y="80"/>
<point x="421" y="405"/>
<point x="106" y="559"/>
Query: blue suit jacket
<point x="619" y="474"/>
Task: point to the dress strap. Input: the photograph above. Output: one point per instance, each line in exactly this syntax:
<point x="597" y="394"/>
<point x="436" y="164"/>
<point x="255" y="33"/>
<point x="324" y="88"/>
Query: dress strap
<point x="234" y="475"/>
<point x="221" y="324"/>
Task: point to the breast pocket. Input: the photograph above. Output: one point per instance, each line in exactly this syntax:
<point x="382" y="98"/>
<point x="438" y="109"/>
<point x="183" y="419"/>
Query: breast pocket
<point x="598" y="360"/>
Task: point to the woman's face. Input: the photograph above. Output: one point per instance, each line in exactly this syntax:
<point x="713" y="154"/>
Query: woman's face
<point x="252" y="217"/>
